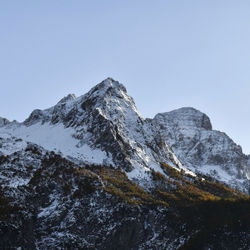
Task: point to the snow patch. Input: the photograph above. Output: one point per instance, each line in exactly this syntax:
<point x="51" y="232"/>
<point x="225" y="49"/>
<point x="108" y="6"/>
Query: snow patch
<point x="216" y="172"/>
<point x="54" y="138"/>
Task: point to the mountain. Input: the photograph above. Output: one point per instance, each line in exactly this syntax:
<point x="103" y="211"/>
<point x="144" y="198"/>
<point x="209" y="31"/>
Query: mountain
<point x="105" y="127"/>
<point x="92" y="173"/>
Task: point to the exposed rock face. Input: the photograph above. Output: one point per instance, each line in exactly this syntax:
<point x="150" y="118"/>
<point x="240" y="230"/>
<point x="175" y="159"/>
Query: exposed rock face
<point x="189" y="133"/>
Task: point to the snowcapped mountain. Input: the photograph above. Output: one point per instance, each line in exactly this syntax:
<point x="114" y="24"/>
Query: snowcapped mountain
<point x="92" y="173"/>
<point x="105" y="127"/>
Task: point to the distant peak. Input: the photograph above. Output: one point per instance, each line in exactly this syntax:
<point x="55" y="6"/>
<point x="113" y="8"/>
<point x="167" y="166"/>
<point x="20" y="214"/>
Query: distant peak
<point x="188" y="116"/>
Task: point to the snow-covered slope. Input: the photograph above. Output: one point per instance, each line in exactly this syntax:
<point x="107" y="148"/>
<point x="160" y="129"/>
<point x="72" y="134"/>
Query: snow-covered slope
<point x="105" y="127"/>
<point x="201" y="149"/>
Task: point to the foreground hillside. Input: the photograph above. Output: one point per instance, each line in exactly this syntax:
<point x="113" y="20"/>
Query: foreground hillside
<point x="59" y="204"/>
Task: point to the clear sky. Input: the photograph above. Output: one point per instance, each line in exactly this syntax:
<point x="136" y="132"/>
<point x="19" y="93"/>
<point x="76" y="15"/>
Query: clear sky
<point x="168" y="54"/>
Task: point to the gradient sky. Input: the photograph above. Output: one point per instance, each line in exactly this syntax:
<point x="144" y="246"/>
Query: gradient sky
<point x="168" y="54"/>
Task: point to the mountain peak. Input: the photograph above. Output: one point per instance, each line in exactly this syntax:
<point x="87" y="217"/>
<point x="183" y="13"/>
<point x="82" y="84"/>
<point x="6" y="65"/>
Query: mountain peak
<point x="69" y="97"/>
<point x="107" y="87"/>
<point x="187" y="116"/>
<point x="110" y="82"/>
<point x="110" y="97"/>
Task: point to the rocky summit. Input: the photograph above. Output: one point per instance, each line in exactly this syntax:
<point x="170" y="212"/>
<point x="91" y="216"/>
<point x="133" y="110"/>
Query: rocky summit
<point x="92" y="173"/>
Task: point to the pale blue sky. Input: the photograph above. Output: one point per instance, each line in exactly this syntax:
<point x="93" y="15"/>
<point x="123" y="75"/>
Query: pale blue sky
<point x="168" y="54"/>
